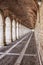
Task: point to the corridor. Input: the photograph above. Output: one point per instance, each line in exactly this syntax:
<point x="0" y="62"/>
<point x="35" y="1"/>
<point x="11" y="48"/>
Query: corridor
<point x="21" y="32"/>
<point x="20" y="52"/>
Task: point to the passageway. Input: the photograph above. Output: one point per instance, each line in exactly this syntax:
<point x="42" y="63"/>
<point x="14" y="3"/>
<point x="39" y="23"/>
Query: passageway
<point x="21" y="32"/>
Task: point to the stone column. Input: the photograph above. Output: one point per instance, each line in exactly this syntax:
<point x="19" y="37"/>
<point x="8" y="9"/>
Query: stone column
<point x="8" y="30"/>
<point x="20" y="30"/>
<point x="1" y="31"/>
<point x="4" y="32"/>
<point x="17" y="30"/>
<point x="13" y="30"/>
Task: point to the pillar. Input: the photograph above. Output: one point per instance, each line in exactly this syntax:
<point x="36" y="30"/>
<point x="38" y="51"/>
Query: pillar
<point x="13" y="30"/>
<point x="8" y="30"/>
<point x="1" y="31"/>
<point x="17" y="30"/>
<point x="20" y="30"/>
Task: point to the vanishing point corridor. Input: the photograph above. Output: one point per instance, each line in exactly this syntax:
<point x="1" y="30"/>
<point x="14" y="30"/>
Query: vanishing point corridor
<point x="21" y="32"/>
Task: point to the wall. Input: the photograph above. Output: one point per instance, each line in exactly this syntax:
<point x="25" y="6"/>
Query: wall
<point x="39" y="31"/>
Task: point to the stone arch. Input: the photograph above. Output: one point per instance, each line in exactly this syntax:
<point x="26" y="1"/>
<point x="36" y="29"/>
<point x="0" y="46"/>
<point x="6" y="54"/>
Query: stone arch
<point x="8" y="30"/>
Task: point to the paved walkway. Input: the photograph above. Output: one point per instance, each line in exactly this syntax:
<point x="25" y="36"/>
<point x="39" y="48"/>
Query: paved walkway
<point x="20" y="52"/>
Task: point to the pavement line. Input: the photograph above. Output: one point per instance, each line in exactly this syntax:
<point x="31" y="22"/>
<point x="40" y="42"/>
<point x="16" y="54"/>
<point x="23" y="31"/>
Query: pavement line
<point x="10" y="53"/>
<point x="19" y="54"/>
<point x="12" y="47"/>
<point x="18" y="61"/>
<point x="30" y="54"/>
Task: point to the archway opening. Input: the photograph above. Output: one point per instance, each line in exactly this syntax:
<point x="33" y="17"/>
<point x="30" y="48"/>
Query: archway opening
<point x="8" y="30"/>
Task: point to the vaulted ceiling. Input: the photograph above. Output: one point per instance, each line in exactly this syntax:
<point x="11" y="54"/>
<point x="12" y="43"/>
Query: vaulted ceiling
<point x="25" y="10"/>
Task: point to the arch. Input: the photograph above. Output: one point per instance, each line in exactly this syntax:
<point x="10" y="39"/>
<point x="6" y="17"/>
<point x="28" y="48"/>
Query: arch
<point x="1" y="30"/>
<point x="8" y="30"/>
<point x="13" y="30"/>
